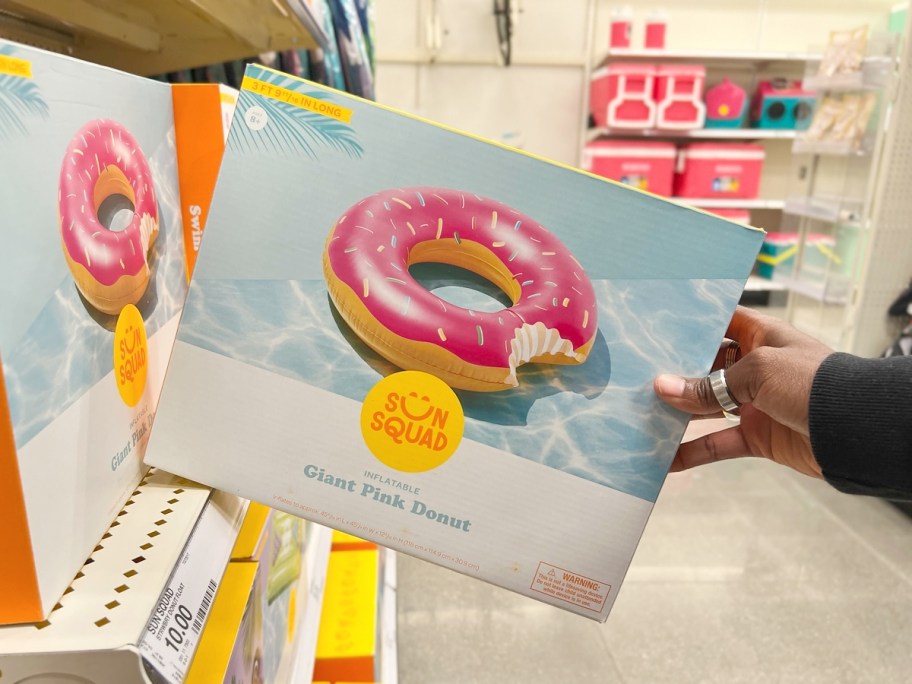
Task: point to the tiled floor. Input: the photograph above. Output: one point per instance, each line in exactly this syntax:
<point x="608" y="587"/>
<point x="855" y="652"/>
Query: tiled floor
<point x="747" y="573"/>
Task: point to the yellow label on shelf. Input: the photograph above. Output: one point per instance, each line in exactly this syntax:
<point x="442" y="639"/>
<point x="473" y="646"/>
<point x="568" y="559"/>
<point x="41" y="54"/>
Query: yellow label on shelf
<point x="13" y="66"/>
<point x="296" y="99"/>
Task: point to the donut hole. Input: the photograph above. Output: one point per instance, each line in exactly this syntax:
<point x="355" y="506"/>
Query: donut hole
<point x="116" y="212"/>
<point x="460" y="286"/>
<point x="114" y="199"/>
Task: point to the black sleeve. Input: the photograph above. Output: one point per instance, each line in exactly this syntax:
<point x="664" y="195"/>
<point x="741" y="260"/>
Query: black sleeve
<point x="860" y="421"/>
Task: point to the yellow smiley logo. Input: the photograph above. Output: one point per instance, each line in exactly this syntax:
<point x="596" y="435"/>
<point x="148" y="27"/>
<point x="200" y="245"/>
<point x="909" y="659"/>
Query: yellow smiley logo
<point x="130" y="355"/>
<point x="412" y="421"/>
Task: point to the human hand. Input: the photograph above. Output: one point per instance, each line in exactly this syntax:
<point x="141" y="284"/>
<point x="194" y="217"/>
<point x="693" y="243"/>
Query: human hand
<point x="771" y="380"/>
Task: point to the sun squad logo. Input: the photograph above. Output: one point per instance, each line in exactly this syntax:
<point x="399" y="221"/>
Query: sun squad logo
<point x="412" y="421"/>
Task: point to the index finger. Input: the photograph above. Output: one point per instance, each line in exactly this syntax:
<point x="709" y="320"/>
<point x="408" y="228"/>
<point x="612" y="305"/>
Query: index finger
<point x="752" y="329"/>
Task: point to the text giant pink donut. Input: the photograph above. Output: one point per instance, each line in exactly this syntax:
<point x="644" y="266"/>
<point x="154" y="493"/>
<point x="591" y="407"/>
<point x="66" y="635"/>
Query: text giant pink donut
<point x="106" y="254"/>
<point x="369" y="250"/>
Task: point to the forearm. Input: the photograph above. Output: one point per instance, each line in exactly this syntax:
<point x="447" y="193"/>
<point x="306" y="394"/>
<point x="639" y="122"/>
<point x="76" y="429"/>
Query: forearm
<point x="860" y="420"/>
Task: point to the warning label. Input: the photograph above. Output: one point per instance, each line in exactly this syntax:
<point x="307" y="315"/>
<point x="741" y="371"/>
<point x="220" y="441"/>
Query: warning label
<point x="570" y="587"/>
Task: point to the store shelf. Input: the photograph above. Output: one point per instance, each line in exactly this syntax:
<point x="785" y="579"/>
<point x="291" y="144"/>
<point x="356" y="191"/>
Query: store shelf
<point x="698" y="134"/>
<point x="874" y="74"/>
<point x="157" y="37"/>
<point x="828" y="209"/>
<point x="757" y="283"/>
<point x="835" y="148"/>
<point x="734" y="203"/>
<point x="101" y="629"/>
<point x="722" y="57"/>
<point x="816" y="291"/>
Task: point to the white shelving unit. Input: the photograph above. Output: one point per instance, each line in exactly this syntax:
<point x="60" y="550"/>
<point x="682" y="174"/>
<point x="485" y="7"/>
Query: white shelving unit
<point x="713" y="56"/>
<point x="836" y="219"/>
<point x="167" y="549"/>
<point x="749" y="65"/>
<point x="733" y="203"/>
<point x="96" y="631"/>
<point x="696" y="134"/>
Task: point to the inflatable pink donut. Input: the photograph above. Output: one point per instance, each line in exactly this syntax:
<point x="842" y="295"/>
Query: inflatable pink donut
<point x="111" y="268"/>
<point x="366" y="264"/>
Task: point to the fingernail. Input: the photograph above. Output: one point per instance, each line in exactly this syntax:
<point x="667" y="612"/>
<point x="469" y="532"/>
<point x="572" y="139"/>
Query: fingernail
<point x="670" y="385"/>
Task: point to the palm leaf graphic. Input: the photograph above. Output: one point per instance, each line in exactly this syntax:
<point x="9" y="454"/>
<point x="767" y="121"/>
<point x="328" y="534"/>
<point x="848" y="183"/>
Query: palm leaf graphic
<point x="19" y="98"/>
<point x="290" y="128"/>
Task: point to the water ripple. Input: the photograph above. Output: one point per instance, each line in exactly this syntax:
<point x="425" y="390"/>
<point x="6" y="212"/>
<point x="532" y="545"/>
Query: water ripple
<point x="600" y="421"/>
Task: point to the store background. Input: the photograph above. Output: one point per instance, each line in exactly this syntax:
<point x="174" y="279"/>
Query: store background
<point x="746" y="572"/>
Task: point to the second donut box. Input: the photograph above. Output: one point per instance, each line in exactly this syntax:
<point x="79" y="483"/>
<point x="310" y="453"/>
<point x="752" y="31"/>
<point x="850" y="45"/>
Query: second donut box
<point x="444" y="346"/>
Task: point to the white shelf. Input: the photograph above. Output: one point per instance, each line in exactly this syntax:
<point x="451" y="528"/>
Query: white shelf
<point x="726" y="56"/>
<point x="836" y="148"/>
<point x="94" y="632"/>
<point x="698" y="133"/>
<point x="726" y="203"/>
<point x="757" y="283"/>
<point x="816" y="291"/>
<point x="828" y="209"/>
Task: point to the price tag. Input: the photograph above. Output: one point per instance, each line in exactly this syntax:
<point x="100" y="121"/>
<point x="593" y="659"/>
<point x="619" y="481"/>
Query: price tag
<point x="174" y="629"/>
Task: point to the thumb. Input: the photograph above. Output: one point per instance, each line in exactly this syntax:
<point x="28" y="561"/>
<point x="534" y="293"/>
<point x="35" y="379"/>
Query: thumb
<point x="691" y="395"/>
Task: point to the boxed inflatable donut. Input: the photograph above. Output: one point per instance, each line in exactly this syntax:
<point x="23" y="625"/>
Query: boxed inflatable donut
<point x="92" y="281"/>
<point x="444" y="346"/>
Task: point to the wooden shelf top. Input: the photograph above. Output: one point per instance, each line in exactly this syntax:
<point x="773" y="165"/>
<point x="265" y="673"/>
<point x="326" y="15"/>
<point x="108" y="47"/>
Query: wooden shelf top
<point x="157" y="37"/>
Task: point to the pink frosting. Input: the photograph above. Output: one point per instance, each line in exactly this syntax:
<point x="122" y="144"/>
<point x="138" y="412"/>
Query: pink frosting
<point x="369" y="251"/>
<point x="106" y="254"/>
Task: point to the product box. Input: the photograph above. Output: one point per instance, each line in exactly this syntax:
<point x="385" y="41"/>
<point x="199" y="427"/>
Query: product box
<point x="622" y="96"/>
<point x="530" y="306"/>
<point x="256" y="631"/>
<point x="726" y="105"/>
<point x="200" y="143"/>
<point x="777" y="253"/>
<point x="719" y="170"/>
<point x="92" y="280"/>
<point x="679" y="97"/>
<point x="348" y="644"/>
<point x="645" y="165"/>
<point x="783" y="104"/>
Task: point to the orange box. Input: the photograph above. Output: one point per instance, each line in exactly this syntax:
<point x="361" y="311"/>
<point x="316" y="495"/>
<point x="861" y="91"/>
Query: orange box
<point x="199" y="152"/>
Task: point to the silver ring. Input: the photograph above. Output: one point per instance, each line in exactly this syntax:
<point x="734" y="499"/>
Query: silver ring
<point x="731" y="353"/>
<point x="723" y="396"/>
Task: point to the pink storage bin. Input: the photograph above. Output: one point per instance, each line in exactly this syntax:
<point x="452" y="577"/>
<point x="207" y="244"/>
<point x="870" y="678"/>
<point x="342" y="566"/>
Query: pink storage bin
<point x="645" y="165"/>
<point x="719" y="170"/>
<point x="679" y="96"/>
<point x="621" y="96"/>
